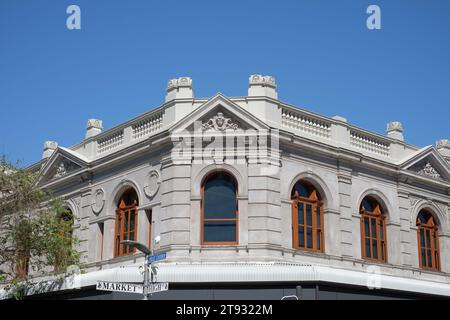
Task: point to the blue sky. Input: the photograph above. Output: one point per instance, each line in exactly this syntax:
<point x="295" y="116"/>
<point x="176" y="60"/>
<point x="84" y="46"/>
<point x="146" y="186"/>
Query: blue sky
<point x="321" y="53"/>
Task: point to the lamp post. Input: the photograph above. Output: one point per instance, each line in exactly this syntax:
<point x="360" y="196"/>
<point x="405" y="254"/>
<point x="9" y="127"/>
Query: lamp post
<point x="147" y="252"/>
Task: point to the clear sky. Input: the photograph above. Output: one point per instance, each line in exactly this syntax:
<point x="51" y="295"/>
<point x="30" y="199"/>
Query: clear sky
<point x="321" y="53"/>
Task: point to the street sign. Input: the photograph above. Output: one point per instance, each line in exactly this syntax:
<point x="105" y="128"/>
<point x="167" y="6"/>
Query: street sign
<point x="119" y="287"/>
<point x="158" y="257"/>
<point x="159" y="286"/>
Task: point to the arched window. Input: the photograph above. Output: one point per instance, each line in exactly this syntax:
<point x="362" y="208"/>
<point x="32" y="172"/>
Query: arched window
<point x="219" y="210"/>
<point x="307" y="217"/>
<point x="373" y="230"/>
<point x="428" y="239"/>
<point x="66" y="221"/>
<point x="126" y="222"/>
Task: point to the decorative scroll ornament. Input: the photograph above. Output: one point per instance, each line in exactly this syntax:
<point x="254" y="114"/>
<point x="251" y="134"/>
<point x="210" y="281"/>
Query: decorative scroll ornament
<point x="64" y="168"/>
<point x="429" y="171"/>
<point x="98" y="200"/>
<point x="220" y="123"/>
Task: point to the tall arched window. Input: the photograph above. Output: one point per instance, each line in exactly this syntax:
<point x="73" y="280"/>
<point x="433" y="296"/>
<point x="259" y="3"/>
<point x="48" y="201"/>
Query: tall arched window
<point x="373" y="230"/>
<point x="219" y="210"/>
<point x="428" y="239"/>
<point x="126" y="222"/>
<point x="307" y="217"/>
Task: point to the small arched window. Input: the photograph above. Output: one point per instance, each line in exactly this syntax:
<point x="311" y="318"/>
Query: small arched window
<point x="373" y="230"/>
<point x="219" y="210"/>
<point x="307" y="217"/>
<point x="428" y="240"/>
<point x="126" y="222"/>
<point x="66" y="221"/>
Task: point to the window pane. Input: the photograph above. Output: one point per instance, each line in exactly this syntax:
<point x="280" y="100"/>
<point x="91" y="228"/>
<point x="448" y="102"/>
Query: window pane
<point x="309" y="240"/>
<point x="301" y="237"/>
<point x="125" y="225"/>
<point x="132" y="220"/>
<point x="367" y="245"/>
<point x="424" y="261"/>
<point x="309" y="215"/>
<point x="367" y="205"/>
<point x="366" y="227"/>
<point x="219" y="198"/>
<point x="381" y="230"/>
<point x="302" y="190"/>
<point x="318" y="217"/>
<point x="374" y="249"/>
<point x="301" y="214"/>
<point x="319" y="245"/>
<point x="429" y="258"/>
<point x="427" y="233"/>
<point x="422" y="238"/>
<point x="219" y="231"/>
<point x="374" y="227"/>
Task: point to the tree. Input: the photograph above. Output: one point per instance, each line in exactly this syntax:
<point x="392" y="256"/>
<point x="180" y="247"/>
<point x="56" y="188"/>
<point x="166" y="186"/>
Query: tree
<point x="35" y="229"/>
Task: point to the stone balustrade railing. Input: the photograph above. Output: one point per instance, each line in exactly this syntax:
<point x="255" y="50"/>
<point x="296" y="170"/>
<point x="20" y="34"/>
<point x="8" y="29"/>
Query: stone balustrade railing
<point x="110" y="142"/>
<point x="369" y="142"/>
<point x="139" y="128"/>
<point x="314" y="126"/>
<point x="148" y="126"/>
<point x="295" y="119"/>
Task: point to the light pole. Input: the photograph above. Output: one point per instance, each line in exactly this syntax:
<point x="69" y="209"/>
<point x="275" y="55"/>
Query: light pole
<point x="147" y="252"/>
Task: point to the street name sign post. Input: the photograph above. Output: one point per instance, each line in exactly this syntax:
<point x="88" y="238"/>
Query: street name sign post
<point x="120" y="287"/>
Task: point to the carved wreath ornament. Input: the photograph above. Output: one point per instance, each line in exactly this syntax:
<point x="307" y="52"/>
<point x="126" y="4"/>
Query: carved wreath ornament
<point x="220" y="123"/>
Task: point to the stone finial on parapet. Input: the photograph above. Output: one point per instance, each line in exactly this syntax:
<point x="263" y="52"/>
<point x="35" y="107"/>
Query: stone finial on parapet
<point x="395" y="130"/>
<point x="49" y="148"/>
<point x="443" y="147"/>
<point x="180" y="88"/>
<point x="262" y="86"/>
<point x="93" y="127"/>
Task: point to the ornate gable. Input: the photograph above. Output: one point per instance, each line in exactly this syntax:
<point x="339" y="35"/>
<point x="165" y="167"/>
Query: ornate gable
<point x="219" y="114"/>
<point x="426" y="169"/>
<point x="62" y="163"/>
<point x="428" y="163"/>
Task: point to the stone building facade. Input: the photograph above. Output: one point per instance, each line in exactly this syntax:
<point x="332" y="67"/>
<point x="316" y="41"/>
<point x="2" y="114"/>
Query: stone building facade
<point x="167" y="154"/>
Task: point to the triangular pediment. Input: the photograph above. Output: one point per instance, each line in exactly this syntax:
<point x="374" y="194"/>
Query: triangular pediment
<point x="219" y="114"/>
<point x="63" y="162"/>
<point x="428" y="163"/>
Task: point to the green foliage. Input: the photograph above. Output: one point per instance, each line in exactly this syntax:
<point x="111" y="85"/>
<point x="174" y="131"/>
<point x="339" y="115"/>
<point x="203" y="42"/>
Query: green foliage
<point x="35" y="229"/>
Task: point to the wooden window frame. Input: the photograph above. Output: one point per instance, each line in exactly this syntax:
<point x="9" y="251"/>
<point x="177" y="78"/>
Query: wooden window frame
<point x="379" y="216"/>
<point x="432" y="227"/>
<point x="236" y="219"/>
<point x="121" y="211"/>
<point x="315" y="202"/>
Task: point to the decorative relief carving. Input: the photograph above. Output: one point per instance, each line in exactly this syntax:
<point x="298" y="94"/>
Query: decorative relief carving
<point x="429" y="171"/>
<point x="220" y="123"/>
<point x="152" y="183"/>
<point x="98" y="201"/>
<point x="65" y="167"/>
